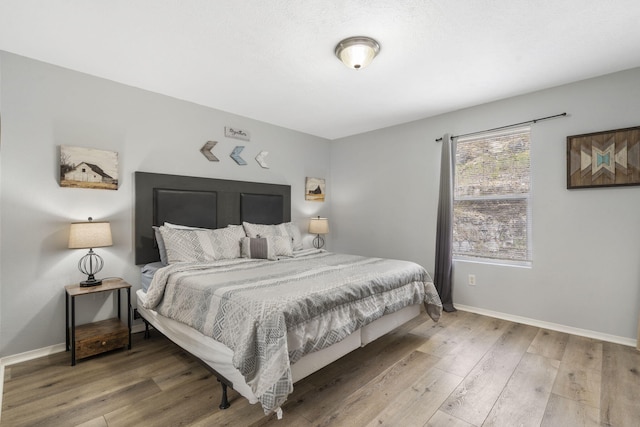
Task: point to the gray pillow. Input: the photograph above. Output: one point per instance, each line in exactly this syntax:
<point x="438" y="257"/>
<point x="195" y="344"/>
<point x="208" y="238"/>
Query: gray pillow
<point x="269" y="247"/>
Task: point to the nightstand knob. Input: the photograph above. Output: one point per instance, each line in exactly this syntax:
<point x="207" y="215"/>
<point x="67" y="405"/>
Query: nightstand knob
<point x="104" y="343"/>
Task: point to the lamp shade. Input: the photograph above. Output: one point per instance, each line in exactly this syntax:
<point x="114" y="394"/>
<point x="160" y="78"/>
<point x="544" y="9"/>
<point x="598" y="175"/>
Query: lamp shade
<point x="357" y="52"/>
<point x="86" y="235"/>
<point x="319" y="226"/>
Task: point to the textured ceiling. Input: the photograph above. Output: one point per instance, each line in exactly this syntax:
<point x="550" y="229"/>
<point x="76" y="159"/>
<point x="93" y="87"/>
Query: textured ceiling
<point x="272" y="60"/>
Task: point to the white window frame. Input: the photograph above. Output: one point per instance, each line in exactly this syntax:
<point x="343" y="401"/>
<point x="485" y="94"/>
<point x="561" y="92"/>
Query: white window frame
<point x="525" y="196"/>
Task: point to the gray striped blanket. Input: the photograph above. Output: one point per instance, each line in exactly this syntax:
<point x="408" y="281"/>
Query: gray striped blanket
<point x="271" y="313"/>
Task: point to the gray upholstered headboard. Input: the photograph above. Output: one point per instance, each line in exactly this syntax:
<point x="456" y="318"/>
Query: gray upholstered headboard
<point x="201" y="202"/>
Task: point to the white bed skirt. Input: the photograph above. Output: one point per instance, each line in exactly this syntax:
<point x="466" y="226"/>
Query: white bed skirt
<point x="218" y="355"/>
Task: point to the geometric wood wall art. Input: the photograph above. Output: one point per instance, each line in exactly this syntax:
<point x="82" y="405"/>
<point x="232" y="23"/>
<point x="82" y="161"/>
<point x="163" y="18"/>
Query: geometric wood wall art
<point x="206" y="151"/>
<point x="604" y="159"/>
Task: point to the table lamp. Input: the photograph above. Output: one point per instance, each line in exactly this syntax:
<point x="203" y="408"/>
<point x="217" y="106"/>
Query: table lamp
<point x="318" y="226"/>
<point x="89" y="235"/>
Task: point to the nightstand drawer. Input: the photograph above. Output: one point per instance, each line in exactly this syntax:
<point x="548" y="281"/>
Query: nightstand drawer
<point x="98" y="337"/>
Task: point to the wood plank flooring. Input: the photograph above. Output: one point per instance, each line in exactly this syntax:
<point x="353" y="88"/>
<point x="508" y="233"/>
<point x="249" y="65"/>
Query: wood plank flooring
<point x="467" y="370"/>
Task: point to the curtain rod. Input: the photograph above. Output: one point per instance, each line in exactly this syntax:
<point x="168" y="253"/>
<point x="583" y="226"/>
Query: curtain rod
<point x="508" y="126"/>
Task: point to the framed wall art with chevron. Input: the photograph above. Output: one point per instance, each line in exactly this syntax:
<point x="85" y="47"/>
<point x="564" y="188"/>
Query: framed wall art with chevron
<point x="604" y="159"/>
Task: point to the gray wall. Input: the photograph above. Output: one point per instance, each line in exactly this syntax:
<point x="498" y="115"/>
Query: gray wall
<point x="382" y="192"/>
<point x="586" y="243"/>
<point x="44" y="106"/>
<point x="0" y="190"/>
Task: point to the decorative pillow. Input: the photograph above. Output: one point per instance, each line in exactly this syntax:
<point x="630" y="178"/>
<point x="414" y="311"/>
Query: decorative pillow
<point x="237" y="229"/>
<point x="269" y="247"/>
<point x="227" y="241"/>
<point x="183" y="227"/>
<point x="296" y="237"/>
<point x="160" y="242"/>
<point x="188" y="245"/>
<point x="282" y="245"/>
<point x="256" y="247"/>
<point x="263" y="230"/>
<point x="285" y="229"/>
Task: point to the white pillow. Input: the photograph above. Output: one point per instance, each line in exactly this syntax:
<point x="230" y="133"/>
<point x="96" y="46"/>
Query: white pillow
<point x="269" y="247"/>
<point x="285" y="229"/>
<point x="188" y="245"/>
<point x="263" y="230"/>
<point x="183" y="227"/>
<point x="227" y="241"/>
<point x="296" y="237"/>
<point x="160" y="241"/>
<point x="203" y="245"/>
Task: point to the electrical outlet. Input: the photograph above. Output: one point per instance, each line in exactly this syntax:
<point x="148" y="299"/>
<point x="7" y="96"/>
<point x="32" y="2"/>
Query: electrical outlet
<point x="472" y="280"/>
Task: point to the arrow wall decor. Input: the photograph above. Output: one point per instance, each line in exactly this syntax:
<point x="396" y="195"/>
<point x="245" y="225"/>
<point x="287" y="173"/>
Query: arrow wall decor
<point x="207" y="148"/>
<point x="206" y="151"/>
<point x="235" y="155"/>
<point x="260" y="158"/>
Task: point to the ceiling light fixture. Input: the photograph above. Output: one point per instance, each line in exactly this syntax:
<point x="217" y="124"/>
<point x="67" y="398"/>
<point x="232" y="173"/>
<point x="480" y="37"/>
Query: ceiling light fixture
<point x="357" y="52"/>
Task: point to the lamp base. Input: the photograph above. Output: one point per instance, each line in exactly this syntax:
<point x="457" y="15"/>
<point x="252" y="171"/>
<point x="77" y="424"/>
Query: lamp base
<point x="90" y="264"/>
<point x="90" y="282"/>
<point x="318" y="242"/>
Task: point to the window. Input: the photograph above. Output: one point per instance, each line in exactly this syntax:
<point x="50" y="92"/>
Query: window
<point x="491" y="201"/>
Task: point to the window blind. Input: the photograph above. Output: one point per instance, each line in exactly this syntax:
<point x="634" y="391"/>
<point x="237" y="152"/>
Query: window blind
<point x="492" y="215"/>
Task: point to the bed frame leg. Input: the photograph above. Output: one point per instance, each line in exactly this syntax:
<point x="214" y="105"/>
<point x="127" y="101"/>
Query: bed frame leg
<point x="147" y="335"/>
<point x="224" y="403"/>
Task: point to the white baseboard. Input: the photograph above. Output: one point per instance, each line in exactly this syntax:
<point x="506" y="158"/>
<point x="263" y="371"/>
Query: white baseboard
<point x="32" y="354"/>
<point x="23" y="357"/>
<point x="40" y="352"/>
<point x="46" y="351"/>
<point x="552" y="326"/>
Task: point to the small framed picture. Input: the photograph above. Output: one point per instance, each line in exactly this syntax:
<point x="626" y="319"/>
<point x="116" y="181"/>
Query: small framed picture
<point x="236" y="133"/>
<point x="88" y="168"/>
<point x="315" y="189"/>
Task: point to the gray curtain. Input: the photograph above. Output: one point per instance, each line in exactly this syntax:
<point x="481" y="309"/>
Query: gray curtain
<point x="444" y="231"/>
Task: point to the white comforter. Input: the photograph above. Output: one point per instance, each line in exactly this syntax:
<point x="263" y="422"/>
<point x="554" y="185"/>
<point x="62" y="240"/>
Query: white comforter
<point x="315" y="299"/>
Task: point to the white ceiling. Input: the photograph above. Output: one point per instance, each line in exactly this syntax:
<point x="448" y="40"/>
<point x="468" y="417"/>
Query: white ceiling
<point x="273" y="60"/>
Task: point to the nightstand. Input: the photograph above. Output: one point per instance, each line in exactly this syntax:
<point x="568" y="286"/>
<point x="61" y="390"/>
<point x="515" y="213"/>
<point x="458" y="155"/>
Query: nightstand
<point x="97" y="337"/>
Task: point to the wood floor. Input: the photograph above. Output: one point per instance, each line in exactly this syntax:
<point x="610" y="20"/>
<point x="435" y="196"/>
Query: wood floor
<point x="466" y="370"/>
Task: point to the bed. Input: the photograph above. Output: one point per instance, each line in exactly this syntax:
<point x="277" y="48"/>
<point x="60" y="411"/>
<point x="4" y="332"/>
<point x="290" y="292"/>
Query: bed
<point x="249" y="301"/>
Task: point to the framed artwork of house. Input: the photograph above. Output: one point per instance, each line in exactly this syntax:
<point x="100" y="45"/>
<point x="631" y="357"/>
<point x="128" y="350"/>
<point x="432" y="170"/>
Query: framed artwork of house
<point x="88" y="168"/>
<point x="604" y="159"/>
<point x="314" y="189"/>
